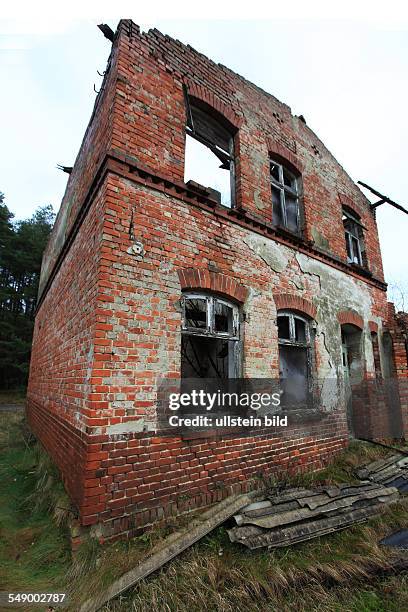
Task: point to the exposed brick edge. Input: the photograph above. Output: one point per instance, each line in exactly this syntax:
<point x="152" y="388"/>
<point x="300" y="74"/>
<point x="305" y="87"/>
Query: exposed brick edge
<point x="201" y="93"/>
<point x="351" y="318"/>
<point x="277" y="148"/>
<point x="294" y="302"/>
<point x="192" y="278"/>
<point x="373" y="326"/>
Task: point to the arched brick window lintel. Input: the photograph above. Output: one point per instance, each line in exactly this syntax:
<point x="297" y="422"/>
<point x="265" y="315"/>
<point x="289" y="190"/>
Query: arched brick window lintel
<point x="201" y="278"/>
<point x="204" y="95"/>
<point x="373" y="327"/>
<point x="350" y="204"/>
<point x="284" y="154"/>
<point x="351" y="318"/>
<point x="287" y="301"/>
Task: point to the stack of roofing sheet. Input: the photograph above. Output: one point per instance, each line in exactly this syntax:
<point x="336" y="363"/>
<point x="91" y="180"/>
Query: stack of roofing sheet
<point x="298" y="514"/>
<point x="391" y="472"/>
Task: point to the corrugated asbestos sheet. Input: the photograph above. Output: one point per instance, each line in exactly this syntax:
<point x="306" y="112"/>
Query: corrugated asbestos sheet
<point x="298" y="514"/>
<point x="391" y="472"/>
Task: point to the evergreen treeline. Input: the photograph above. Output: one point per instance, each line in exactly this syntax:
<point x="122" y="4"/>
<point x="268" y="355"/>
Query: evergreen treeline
<point x="21" y="247"/>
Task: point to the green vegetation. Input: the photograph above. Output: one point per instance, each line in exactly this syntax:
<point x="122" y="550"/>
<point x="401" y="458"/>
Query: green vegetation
<point x="21" y="247"/>
<point x="34" y="549"/>
<point x="346" y="571"/>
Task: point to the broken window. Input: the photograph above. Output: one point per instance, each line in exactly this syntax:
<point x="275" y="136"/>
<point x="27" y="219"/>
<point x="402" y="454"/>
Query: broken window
<point x="294" y="358"/>
<point x="354" y="237"/>
<point x="209" y="155"/>
<point x="285" y="186"/>
<point x="210" y="337"/>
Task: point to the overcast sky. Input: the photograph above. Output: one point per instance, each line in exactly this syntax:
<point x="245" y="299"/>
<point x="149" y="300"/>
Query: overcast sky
<point x="349" y="80"/>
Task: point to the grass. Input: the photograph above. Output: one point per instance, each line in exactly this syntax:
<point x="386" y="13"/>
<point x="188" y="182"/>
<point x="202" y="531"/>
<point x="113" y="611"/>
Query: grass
<point x="34" y="550"/>
<point x="342" y="572"/>
<point x="12" y="397"/>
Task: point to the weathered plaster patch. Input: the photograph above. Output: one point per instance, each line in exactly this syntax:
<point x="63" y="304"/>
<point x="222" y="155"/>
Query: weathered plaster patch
<point x="339" y="291"/>
<point x="274" y="255"/>
<point x="314" y="275"/>
<point x="319" y="240"/>
<point x="297" y="283"/>
<point x="130" y="427"/>
<point x="259" y="203"/>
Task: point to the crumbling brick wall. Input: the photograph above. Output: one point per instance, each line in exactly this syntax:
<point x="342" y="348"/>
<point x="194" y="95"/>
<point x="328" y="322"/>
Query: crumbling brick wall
<point x="397" y="328"/>
<point x="108" y="322"/>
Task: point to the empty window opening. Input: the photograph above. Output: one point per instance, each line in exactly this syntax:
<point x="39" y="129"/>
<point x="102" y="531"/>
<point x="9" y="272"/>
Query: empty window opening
<point x="376" y="355"/>
<point x="209" y="155"/>
<point x="294" y="358"/>
<point x="285" y="186"/>
<point x="389" y="356"/>
<point x="351" y="353"/>
<point x="210" y="337"/>
<point x="353" y="230"/>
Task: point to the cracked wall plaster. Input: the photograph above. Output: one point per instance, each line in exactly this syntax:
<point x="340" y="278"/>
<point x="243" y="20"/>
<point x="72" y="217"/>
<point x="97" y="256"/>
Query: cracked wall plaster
<point x="274" y="255"/>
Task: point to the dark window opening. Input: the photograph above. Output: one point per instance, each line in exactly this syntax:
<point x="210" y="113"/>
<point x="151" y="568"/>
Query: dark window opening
<point x="209" y="155"/>
<point x="196" y="313"/>
<point x="353" y="230"/>
<point x="205" y="357"/>
<point x="352" y="354"/>
<point x="376" y="355"/>
<point x="283" y="328"/>
<point x="353" y="371"/>
<point x="285" y="186"/>
<point x="294" y="359"/>
<point x="210" y="337"/>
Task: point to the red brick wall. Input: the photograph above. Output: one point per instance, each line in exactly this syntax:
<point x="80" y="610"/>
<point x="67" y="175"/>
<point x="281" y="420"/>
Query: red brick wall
<point x="108" y="327"/>
<point x="60" y="384"/>
<point x="397" y="326"/>
<point x="153" y="68"/>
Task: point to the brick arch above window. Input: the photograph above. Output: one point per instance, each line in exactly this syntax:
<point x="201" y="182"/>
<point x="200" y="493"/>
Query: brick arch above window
<point x="350" y="204"/>
<point x="288" y="301"/>
<point x="193" y="278"/>
<point x="203" y="94"/>
<point x="349" y="317"/>
<point x="373" y="326"/>
<point x="284" y="154"/>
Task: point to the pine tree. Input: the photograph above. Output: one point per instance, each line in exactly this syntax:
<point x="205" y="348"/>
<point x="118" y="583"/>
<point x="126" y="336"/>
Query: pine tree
<point x="21" y="247"/>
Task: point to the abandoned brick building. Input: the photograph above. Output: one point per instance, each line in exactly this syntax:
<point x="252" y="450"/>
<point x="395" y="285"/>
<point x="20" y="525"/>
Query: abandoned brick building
<point x="261" y="258"/>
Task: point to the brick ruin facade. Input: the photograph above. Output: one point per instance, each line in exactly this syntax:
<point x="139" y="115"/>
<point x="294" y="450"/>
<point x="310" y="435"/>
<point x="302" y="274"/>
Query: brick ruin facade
<point x="132" y="238"/>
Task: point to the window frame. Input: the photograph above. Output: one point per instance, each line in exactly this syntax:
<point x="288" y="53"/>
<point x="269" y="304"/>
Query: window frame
<point x="226" y="157"/>
<point x="233" y="338"/>
<point x="307" y="345"/>
<point x="283" y="189"/>
<point x="353" y="238"/>
<point x="210" y="330"/>
<point x="292" y="329"/>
